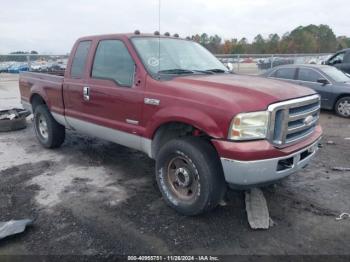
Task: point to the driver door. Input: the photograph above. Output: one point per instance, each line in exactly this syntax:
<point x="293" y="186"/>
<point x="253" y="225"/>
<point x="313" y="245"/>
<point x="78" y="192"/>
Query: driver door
<point x="110" y="102"/>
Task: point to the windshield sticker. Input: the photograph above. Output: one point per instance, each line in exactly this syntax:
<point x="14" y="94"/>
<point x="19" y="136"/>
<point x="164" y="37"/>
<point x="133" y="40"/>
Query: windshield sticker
<point x="153" y="61"/>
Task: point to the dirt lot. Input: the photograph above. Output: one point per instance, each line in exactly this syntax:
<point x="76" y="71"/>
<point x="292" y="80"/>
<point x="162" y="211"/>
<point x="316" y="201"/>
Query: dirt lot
<point x="95" y="197"/>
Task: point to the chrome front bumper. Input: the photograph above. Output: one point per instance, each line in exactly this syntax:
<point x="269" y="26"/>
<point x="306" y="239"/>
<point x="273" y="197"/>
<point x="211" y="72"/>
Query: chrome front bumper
<point x="248" y="173"/>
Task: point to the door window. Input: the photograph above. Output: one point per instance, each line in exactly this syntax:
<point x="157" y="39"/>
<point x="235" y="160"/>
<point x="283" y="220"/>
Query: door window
<point x="285" y="73"/>
<point x="113" y="62"/>
<point x="347" y="57"/>
<point x="338" y="59"/>
<point x="309" y="75"/>
<point x="79" y="60"/>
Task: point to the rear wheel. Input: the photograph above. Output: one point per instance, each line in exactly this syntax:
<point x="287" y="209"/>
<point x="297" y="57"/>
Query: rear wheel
<point x="342" y="107"/>
<point x="190" y="176"/>
<point x="48" y="131"/>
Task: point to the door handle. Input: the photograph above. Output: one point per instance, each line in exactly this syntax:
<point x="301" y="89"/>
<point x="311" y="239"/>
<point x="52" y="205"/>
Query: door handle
<point x="86" y="93"/>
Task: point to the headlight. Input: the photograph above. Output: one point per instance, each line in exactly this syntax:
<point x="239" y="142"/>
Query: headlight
<point x="248" y="126"/>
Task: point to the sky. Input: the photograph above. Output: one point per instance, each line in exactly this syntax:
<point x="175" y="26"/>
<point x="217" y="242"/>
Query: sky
<point x="52" y="26"/>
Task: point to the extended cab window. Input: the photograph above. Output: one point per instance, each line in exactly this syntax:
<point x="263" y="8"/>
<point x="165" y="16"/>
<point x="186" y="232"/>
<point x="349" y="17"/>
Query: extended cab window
<point x="309" y="75"/>
<point x="79" y="59"/>
<point x="285" y="73"/>
<point x="113" y="61"/>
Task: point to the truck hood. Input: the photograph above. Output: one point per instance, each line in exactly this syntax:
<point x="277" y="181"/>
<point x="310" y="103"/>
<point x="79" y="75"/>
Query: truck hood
<point x="248" y="92"/>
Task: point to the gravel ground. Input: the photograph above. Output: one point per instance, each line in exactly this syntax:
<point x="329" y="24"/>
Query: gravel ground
<point x="92" y="197"/>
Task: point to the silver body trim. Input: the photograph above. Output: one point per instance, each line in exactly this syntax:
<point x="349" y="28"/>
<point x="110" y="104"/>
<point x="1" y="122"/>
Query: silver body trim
<point x="246" y="173"/>
<point x="60" y="119"/>
<point x="106" y="133"/>
<point x="146" y="147"/>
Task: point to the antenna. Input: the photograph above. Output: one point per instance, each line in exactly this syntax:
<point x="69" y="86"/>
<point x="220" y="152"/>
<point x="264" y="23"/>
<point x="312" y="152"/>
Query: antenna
<point x="159" y="6"/>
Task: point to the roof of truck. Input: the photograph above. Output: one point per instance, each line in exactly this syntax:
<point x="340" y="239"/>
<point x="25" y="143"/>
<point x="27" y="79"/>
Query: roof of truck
<point x="129" y="35"/>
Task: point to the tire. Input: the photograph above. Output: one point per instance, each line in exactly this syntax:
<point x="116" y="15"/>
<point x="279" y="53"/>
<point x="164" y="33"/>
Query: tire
<point x="13" y="125"/>
<point x="342" y="107"/>
<point x="49" y="133"/>
<point x="189" y="175"/>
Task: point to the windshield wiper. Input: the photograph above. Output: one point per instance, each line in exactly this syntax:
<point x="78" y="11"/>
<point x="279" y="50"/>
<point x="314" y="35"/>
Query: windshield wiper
<point x="176" y="71"/>
<point x="216" y="70"/>
<point x="203" y="72"/>
<point x="179" y="71"/>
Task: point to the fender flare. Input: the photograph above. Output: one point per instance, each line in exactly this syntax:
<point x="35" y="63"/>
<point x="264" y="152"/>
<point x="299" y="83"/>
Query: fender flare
<point x="43" y="95"/>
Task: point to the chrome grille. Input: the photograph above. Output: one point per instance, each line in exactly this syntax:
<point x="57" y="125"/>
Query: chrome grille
<point x="293" y="120"/>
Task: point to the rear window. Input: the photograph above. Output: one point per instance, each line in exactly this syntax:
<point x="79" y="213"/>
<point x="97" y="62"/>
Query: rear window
<point x="79" y="60"/>
<point x="285" y="73"/>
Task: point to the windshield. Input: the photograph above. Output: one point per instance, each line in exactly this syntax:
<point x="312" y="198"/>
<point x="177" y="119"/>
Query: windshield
<point x="176" y="56"/>
<point x="336" y="74"/>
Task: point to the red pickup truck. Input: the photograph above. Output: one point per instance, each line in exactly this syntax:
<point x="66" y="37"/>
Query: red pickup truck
<point x="172" y="99"/>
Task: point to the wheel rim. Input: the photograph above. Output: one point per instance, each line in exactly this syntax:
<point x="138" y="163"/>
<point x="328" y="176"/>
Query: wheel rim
<point x="344" y="108"/>
<point x="182" y="178"/>
<point x="42" y="127"/>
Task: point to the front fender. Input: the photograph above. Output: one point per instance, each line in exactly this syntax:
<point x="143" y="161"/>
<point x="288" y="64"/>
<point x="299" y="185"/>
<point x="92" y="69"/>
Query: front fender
<point x="191" y="116"/>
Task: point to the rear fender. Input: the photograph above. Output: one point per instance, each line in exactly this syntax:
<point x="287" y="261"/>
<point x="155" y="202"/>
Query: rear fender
<point x="38" y="91"/>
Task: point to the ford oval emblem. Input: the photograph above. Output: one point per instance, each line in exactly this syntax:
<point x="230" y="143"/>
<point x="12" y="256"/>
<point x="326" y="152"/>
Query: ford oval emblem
<point x="308" y="120"/>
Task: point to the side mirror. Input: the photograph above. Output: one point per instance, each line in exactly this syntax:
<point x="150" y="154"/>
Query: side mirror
<point x="229" y="66"/>
<point x="323" y="81"/>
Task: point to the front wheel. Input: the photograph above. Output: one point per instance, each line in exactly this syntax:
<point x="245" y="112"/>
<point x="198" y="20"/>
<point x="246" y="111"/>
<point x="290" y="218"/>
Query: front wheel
<point x="342" y="107"/>
<point x="189" y="175"/>
<point x="49" y="133"/>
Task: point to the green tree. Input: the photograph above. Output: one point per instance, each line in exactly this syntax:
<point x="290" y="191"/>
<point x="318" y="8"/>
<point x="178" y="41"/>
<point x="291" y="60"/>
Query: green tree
<point x="303" y="39"/>
<point x="214" y="44"/>
<point x="327" y="39"/>
<point x="196" y="38"/>
<point x="343" y="42"/>
<point x="273" y="43"/>
<point x="241" y="47"/>
<point x="259" y="45"/>
<point x="204" y="39"/>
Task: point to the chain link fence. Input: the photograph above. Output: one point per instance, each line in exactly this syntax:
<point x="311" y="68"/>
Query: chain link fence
<point x="240" y="63"/>
<point x="258" y="63"/>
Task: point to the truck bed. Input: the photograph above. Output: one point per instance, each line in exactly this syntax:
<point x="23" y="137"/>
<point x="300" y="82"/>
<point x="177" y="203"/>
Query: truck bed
<point x="48" y="86"/>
